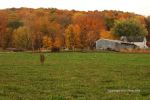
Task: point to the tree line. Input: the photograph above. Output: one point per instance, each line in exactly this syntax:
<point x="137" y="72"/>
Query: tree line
<point x="50" y="28"/>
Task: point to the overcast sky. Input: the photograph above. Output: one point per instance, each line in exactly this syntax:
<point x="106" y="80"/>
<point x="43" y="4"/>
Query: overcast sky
<point x="136" y="6"/>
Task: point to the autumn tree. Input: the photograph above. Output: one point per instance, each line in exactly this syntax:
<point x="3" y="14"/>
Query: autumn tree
<point x="64" y="19"/>
<point x="53" y="28"/>
<point x="39" y="27"/>
<point x="77" y="36"/>
<point x="22" y="38"/>
<point x="7" y="38"/>
<point x="3" y="27"/>
<point x="89" y="23"/>
<point x="107" y="35"/>
<point x="91" y="38"/>
<point x="148" y="24"/>
<point x="37" y="39"/>
<point x="73" y="37"/>
<point x="148" y="28"/>
<point x="47" y="42"/>
<point x="69" y="37"/>
<point x="58" y="43"/>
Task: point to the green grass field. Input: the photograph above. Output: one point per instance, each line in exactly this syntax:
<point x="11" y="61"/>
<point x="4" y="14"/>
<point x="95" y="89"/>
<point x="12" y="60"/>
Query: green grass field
<point x="75" y="76"/>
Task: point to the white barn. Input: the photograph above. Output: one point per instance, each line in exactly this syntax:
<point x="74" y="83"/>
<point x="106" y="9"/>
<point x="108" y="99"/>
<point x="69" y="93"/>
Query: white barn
<point x="123" y="43"/>
<point x="106" y="44"/>
<point x="138" y="41"/>
<point x="141" y="44"/>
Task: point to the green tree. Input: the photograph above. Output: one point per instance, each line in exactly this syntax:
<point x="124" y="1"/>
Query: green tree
<point x="129" y="27"/>
<point x="109" y="22"/>
<point x="15" y="24"/>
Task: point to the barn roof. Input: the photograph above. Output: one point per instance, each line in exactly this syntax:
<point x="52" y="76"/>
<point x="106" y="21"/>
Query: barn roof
<point x="110" y="40"/>
<point x="117" y="41"/>
<point x="134" y="38"/>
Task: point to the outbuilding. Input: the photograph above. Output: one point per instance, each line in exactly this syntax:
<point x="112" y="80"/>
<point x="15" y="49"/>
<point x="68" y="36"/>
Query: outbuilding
<point x="116" y="45"/>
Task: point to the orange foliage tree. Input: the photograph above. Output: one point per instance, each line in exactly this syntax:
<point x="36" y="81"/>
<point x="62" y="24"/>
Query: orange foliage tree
<point x="53" y="28"/>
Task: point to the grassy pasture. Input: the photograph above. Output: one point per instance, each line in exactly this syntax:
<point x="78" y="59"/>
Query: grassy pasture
<point x="75" y="76"/>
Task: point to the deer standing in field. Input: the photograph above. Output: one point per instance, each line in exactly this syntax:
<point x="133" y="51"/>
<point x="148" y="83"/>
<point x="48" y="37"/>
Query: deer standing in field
<point x="42" y="59"/>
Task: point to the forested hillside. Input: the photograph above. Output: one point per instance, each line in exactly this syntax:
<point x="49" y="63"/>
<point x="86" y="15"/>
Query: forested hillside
<point x="32" y="29"/>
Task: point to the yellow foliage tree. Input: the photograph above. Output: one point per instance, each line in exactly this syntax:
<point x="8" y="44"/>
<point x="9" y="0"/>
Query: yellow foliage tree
<point x="73" y="36"/>
<point x="22" y="37"/>
<point x="69" y="37"/>
<point x="106" y="35"/>
<point x="47" y="43"/>
<point x="58" y="42"/>
<point x="77" y="36"/>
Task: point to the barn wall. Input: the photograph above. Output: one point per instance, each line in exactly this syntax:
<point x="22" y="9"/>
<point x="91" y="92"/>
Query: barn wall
<point x="105" y="44"/>
<point x="113" y="45"/>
